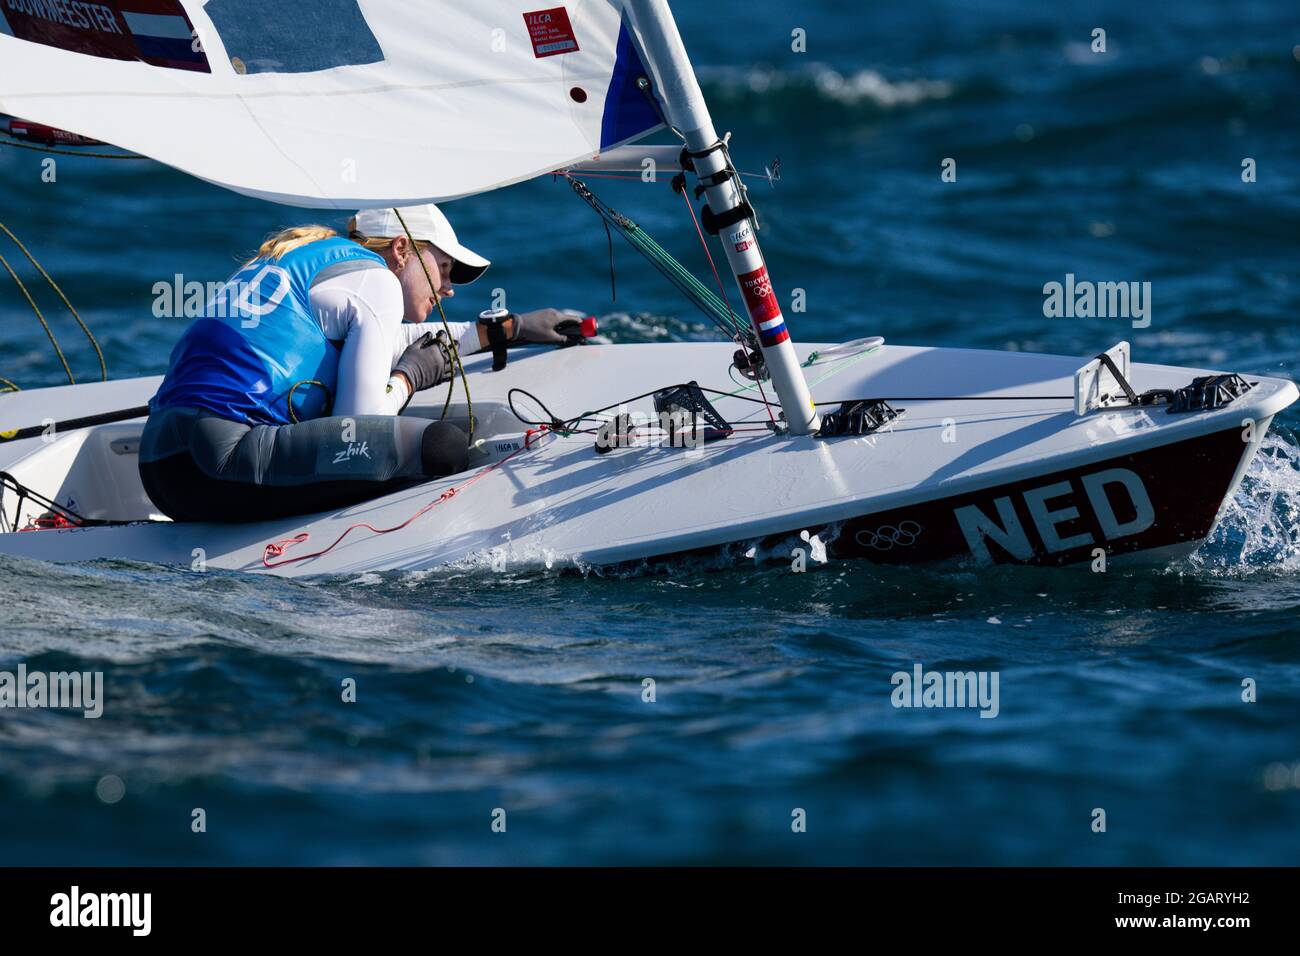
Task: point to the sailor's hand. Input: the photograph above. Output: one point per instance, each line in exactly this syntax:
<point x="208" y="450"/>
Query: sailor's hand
<point x="547" y="326"/>
<point x="425" y="363"/>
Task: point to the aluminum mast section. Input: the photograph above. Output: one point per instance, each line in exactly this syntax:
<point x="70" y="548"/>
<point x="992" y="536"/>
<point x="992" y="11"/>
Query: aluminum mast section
<point x="686" y="110"/>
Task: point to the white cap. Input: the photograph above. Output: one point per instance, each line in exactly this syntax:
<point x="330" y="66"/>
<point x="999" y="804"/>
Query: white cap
<point x="427" y="223"/>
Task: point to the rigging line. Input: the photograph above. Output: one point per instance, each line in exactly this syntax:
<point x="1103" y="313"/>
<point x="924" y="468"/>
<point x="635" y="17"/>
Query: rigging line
<point x="276" y="549"/>
<point x="704" y="242"/>
<point x="842" y="363"/>
<point x="564" y="425"/>
<point x="613" y="284"/>
<point x="41" y="318"/>
<point x="635" y="177"/>
<point x="68" y="152"/>
<point x="99" y="353"/>
<point x="685" y="282"/>
<point x="852" y="360"/>
<point x="590" y="175"/>
<point x="709" y="255"/>
<point x="9" y="483"/>
<point x="329" y="398"/>
<point x="953" y="398"/>
<point x="451" y="340"/>
<point x="8" y="386"/>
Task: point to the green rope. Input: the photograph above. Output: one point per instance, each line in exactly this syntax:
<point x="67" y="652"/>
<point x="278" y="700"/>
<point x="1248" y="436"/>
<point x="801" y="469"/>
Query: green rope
<point x="40" y="318"/>
<point x="99" y="352"/>
<point x="452" y="348"/>
<point x="705" y="299"/>
<point x="847" y="360"/>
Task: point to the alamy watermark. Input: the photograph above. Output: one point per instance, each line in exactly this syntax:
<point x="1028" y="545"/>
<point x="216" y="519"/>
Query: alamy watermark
<point x="72" y="690"/>
<point x="1083" y="299"/>
<point x="921" y="688"/>
<point x="253" y="292"/>
<point x="76" y="908"/>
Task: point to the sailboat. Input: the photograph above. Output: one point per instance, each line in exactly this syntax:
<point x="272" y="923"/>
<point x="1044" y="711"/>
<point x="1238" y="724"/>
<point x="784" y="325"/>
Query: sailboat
<point x="859" y="449"/>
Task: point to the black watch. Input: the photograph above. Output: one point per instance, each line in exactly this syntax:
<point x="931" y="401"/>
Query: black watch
<point x="494" y="320"/>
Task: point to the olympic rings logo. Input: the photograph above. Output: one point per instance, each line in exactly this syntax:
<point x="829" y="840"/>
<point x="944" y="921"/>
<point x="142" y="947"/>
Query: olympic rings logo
<point x="887" y="537"/>
<point x="759" y="286"/>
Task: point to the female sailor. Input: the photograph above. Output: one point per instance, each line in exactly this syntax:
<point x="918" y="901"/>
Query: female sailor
<point x="284" y="397"/>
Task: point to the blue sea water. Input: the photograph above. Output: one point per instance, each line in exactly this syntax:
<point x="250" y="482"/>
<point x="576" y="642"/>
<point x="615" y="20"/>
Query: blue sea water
<point x="477" y="691"/>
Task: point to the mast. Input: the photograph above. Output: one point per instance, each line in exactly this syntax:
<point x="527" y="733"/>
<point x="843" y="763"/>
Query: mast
<point x="687" y="111"/>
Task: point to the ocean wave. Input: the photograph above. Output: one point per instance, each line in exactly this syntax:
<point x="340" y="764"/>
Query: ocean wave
<point x="865" y="87"/>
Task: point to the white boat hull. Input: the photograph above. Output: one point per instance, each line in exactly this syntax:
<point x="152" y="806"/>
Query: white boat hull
<point x="1020" y="481"/>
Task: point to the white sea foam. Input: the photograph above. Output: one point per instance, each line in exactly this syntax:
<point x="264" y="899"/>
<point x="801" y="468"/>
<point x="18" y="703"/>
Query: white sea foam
<point x="1260" y="528"/>
<point x="850" y="88"/>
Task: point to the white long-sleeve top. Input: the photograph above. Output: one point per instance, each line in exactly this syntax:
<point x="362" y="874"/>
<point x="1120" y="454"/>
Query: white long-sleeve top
<point x="363" y="308"/>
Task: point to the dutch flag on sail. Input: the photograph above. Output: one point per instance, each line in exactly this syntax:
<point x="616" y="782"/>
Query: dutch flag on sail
<point x="157" y="32"/>
<point x="163" y="34"/>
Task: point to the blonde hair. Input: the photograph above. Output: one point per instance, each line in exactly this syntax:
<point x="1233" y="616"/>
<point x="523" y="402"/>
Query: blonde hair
<point x="286" y="240"/>
<point x="280" y="243"/>
<point x="378" y="243"/>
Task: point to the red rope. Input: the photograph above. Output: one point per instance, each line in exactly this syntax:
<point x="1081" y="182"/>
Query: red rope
<point x="704" y="242"/>
<point x="277" y="548"/>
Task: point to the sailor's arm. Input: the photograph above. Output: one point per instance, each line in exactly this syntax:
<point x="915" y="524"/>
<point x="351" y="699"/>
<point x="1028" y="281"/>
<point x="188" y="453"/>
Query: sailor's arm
<point x="468" y="336"/>
<point x="363" y="309"/>
<point x="539" y="327"/>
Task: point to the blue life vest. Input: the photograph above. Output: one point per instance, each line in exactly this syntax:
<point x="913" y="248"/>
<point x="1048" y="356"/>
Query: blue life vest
<point x="258" y="345"/>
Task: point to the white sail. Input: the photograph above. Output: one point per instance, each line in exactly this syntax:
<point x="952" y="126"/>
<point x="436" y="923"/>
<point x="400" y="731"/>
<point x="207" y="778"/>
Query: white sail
<point x="333" y="103"/>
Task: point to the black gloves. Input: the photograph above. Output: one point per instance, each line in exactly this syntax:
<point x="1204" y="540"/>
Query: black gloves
<point x="426" y="362"/>
<point x="548" y="327"/>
